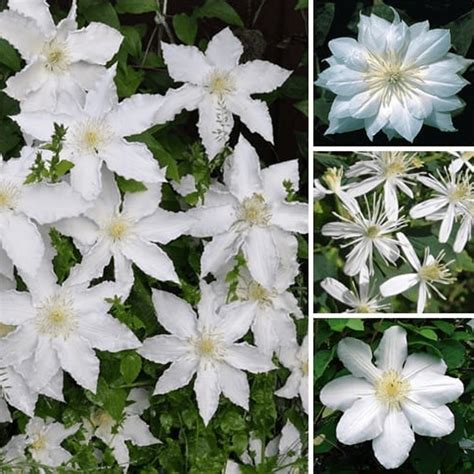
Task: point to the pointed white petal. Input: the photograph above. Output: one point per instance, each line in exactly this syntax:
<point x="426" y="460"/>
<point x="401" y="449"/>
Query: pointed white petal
<point x="393" y="349"/>
<point x="245" y="357"/>
<point x="273" y="177"/>
<point x="86" y="176"/>
<point x="357" y="358"/>
<point x="176" y="376"/>
<point x="433" y="390"/>
<point x="16" y="307"/>
<point x="291" y="216"/>
<point x="163" y="348"/>
<point x="137" y="431"/>
<point x="258" y="77"/>
<point x="186" y="63"/>
<point x="399" y="284"/>
<point x="234" y="385"/>
<point x="219" y="251"/>
<point x="417" y="363"/>
<point x="224" y="50"/>
<point x="164" y="226"/>
<point x="434" y="422"/>
<point x="207" y="391"/>
<point x="343" y="392"/>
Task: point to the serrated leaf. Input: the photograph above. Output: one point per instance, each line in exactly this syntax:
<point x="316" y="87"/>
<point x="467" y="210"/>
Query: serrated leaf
<point x="185" y="27"/>
<point x="219" y="9"/>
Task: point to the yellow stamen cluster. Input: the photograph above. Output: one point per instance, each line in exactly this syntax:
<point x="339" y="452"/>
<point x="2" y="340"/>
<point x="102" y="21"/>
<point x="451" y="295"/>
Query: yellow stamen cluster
<point x="56" y="317"/>
<point x="333" y="177"/>
<point x="220" y="83"/>
<point x="392" y="388"/>
<point x="255" y="211"/>
<point x="9" y="194"/>
<point x="56" y="57"/>
<point x="117" y="228"/>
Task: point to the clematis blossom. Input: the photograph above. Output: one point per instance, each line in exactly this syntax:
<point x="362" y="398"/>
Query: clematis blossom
<point x="250" y="214"/>
<point x="95" y="135"/>
<point x="219" y="87"/>
<point x="57" y="328"/>
<point x="23" y="207"/>
<point x="125" y="231"/>
<point x="59" y="58"/>
<point x="394" y="78"/>
<point x="42" y="440"/>
<point x="206" y="346"/>
<point x="387" y="402"/>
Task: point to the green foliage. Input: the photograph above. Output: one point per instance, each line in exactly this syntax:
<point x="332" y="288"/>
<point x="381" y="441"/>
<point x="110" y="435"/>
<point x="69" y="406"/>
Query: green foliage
<point x="450" y="339"/>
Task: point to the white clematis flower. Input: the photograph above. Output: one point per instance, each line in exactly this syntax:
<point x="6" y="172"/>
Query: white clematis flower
<point x="361" y="300"/>
<point x="394" y="78"/>
<point x="218" y="86"/>
<point x="95" y="135"/>
<point x="432" y="271"/>
<point x="42" y="439"/>
<point x="333" y="180"/>
<point x="366" y="234"/>
<point x="206" y="347"/>
<point x="461" y="160"/>
<point x="390" y="401"/>
<point x="59" y="58"/>
<point x="453" y="194"/>
<point x="14" y="389"/>
<point x="21" y="205"/>
<point x="392" y="169"/>
<point x="272" y="325"/>
<point x="286" y="448"/>
<point x="131" y="428"/>
<point x="295" y="358"/>
<point x="57" y="328"/>
<point x="125" y="231"/>
<point x="251" y="214"/>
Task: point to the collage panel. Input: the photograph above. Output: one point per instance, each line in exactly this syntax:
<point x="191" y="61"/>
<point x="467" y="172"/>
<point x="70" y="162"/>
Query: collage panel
<point x="393" y="394"/>
<point x="393" y="231"/>
<point x="393" y="73"/>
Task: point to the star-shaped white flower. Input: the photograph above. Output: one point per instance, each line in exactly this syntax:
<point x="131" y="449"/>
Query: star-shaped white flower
<point x="366" y="234"/>
<point x="131" y="428"/>
<point x="206" y="347"/>
<point x="95" y="135"/>
<point x="286" y="448"/>
<point x="393" y="78"/>
<point x="57" y="328"/>
<point x="59" y="58"/>
<point x="218" y="86"/>
<point x="461" y="160"/>
<point x="389" y="401"/>
<point x="125" y="231"/>
<point x="453" y="194"/>
<point x="295" y="358"/>
<point x="361" y="300"/>
<point x="42" y="439"/>
<point x="432" y="271"/>
<point x="23" y="206"/>
<point x="392" y="169"/>
<point x="251" y="214"/>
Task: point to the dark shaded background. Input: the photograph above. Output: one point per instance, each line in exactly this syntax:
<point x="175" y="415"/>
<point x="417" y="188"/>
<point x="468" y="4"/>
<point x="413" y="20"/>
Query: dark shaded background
<point x="438" y="13"/>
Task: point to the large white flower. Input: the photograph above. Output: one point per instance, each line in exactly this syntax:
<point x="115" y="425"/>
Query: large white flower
<point x="95" y="134"/>
<point x="360" y="301"/>
<point x="432" y="271"/>
<point x="218" y="86"/>
<point x="285" y="448"/>
<point x="42" y="439"/>
<point x="366" y="234"/>
<point x="390" y="400"/>
<point x="58" y="58"/>
<point x="295" y="358"/>
<point x="453" y="194"/>
<point x="392" y="169"/>
<point x="131" y="428"/>
<point x="251" y="214"/>
<point x="272" y="325"/>
<point x="394" y="78"/>
<point x="57" y="328"/>
<point x="206" y="347"/>
<point x="125" y="231"/>
<point x="21" y="205"/>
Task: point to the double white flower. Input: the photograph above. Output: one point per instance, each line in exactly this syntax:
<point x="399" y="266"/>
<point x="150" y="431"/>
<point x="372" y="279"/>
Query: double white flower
<point x="390" y="401"/>
<point x="394" y="78"/>
<point x="218" y="86"/>
<point x="206" y="347"/>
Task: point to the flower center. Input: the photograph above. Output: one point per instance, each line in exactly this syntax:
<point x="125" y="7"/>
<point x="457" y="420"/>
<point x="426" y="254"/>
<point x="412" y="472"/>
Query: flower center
<point x="387" y="75"/>
<point x="364" y="308"/>
<point x="255" y="211"/>
<point x="118" y="228"/>
<point x="100" y="418"/>
<point x="435" y="272"/>
<point x="461" y="191"/>
<point x="91" y="135"/>
<point x="257" y="292"/>
<point x="304" y="367"/>
<point x="39" y="443"/>
<point x="57" y="57"/>
<point x="9" y="194"/>
<point x="392" y="388"/>
<point x="372" y="232"/>
<point x="208" y="346"/>
<point x="56" y="317"/>
<point x="333" y="178"/>
<point x="221" y="83"/>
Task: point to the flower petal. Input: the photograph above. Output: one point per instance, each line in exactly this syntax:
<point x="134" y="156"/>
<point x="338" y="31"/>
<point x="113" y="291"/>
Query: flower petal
<point x="357" y="358"/>
<point x="86" y="177"/>
<point x="399" y="284"/>
<point x="164" y="226"/>
<point x="224" y="50"/>
<point x="291" y="216"/>
<point x="162" y="348"/>
<point x="417" y="363"/>
<point x="219" y="251"/>
<point x="428" y="48"/>
<point x="434" y="422"/>
<point x="273" y="177"/>
<point x="432" y="390"/>
<point x="16" y="307"/>
<point x="259" y="77"/>
<point x="207" y="391"/>
<point x="234" y="385"/>
<point x="343" y="392"/>
<point x="137" y="431"/>
<point x="177" y="375"/>
<point x="404" y="122"/>
<point x="235" y="319"/>
<point x="393" y="349"/>
<point x="246" y="357"/>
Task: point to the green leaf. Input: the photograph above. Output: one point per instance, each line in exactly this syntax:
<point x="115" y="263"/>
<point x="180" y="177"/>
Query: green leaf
<point x="9" y="56"/>
<point x="185" y="27"/>
<point x="453" y="353"/>
<point x="132" y="42"/>
<point x="130" y="367"/>
<point x="103" y="13"/>
<point x="337" y="325"/>
<point x="302" y="106"/>
<point x="324" y="16"/>
<point x="302" y="5"/>
<point x="322" y="107"/>
<point x="137" y="6"/>
<point x="355" y="324"/>
<point x="129" y="185"/>
<point x="219" y="9"/>
<point x="462" y="32"/>
<point x="321" y="361"/>
<point x="63" y="167"/>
